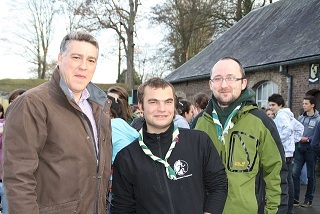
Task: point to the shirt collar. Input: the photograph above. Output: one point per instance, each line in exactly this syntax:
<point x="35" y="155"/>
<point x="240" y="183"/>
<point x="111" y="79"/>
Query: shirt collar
<point x="84" y="95"/>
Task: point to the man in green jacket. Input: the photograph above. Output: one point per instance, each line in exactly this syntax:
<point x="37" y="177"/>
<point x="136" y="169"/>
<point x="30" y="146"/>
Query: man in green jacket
<point x="248" y="142"/>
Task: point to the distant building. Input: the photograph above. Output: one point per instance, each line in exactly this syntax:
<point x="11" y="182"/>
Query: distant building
<point x="278" y="46"/>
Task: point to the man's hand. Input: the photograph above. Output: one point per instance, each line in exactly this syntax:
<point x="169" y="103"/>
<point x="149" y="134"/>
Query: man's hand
<point x="304" y="140"/>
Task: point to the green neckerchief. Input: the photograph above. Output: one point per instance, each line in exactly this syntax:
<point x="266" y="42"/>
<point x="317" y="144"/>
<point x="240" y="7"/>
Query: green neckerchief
<point x="228" y="125"/>
<point x="170" y="172"/>
<point x="247" y="95"/>
<point x="222" y="117"/>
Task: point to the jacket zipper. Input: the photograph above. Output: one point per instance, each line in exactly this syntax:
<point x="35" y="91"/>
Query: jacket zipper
<point x="97" y="177"/>
<point x="165" y="178"/>
<point x="98" y="162"/>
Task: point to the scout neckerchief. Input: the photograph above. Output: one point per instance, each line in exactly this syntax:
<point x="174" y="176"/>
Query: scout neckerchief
<point x="170" y="172"/>
<point x="229" y="123"/>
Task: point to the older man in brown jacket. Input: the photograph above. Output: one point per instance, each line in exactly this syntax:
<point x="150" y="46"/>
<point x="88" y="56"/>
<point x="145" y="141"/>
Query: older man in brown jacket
<point x="57" y="139"/>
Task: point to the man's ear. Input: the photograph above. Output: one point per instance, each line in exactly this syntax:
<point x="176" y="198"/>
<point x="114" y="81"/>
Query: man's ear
<point x="140" y="106"/>
<point x="59" y="59"/>
<point x="244" y="84"/>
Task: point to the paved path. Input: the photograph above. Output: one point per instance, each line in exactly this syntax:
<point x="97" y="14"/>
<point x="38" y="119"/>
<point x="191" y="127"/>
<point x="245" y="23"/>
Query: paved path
<point x="315" y="209"/>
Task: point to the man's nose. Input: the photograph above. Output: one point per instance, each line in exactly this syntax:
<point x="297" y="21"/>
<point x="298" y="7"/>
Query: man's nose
<point x="83" y="64"/>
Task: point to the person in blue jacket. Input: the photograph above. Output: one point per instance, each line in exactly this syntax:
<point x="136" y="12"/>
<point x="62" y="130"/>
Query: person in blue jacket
<point x="122" y="133"/>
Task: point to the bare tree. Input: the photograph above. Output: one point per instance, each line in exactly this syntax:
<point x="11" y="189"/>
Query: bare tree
<point x="193" y="24"/>
<point x="70" y="10"/>
<point x="243" y="7"/>
<point x="34" y="32"/>
<point x="190" y="24"/>
<point x="117" y="15"/>
<point x="51" y="66"/>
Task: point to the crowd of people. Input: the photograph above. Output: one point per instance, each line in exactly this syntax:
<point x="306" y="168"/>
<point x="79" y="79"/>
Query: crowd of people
<point x="69" y="147"/>
<point x="301" y="144"/>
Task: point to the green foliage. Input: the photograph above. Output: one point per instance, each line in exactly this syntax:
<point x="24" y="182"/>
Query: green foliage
<point x="136" y="78"/>
<point x="8" y="85"/>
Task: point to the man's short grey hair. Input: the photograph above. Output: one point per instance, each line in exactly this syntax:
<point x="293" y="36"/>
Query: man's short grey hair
<point x="77" y="36"/>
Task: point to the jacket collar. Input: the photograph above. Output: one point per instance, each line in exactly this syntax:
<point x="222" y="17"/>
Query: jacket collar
<point x="96" y="94"/>
<point x="152" y="140"/>
<point x="247" y="100"/>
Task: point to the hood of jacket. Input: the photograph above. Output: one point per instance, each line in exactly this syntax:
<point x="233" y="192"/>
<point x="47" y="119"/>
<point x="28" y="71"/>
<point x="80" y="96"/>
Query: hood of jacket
<point x="315" y="115"/>
<point x="286" y="112"/>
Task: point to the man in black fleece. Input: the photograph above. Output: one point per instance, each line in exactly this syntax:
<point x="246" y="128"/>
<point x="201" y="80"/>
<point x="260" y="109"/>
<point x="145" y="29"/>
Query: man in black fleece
<point x="168" y="169"/>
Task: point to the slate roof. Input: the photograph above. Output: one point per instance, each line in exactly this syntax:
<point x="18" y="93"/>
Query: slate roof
<point x="282" y="33"/>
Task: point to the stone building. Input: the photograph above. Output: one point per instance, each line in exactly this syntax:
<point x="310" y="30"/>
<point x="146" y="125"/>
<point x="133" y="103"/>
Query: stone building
<point x="278" y="46"/>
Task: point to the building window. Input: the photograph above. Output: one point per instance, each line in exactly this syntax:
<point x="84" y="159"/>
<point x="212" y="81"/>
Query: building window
<point x="264" y="91"/>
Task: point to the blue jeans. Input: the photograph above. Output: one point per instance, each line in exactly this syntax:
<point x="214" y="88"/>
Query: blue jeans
<point x="303" y="177"/>
<point x="290" y="185"/>
<point x="3" y="199"/>
<point x="304" y="154"/>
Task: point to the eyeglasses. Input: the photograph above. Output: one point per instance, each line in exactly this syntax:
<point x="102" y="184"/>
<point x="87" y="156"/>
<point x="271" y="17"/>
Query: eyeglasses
<point x="219" y="80"/>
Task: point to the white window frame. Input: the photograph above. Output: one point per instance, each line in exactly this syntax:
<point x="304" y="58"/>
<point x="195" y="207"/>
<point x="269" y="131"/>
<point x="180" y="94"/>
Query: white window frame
<point x="264" y="91"/>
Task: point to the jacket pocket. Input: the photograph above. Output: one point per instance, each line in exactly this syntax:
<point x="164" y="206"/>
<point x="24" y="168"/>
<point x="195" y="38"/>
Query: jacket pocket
<point x="243" y="152"/>
<point x="65" y="208"/>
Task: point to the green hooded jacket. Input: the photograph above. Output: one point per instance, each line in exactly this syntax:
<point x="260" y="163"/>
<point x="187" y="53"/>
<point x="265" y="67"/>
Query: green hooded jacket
<point x="253" y="156"/>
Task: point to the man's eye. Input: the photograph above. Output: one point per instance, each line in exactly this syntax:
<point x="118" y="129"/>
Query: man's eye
<point x="217" y="79"/>
<point x="229" y="79"/>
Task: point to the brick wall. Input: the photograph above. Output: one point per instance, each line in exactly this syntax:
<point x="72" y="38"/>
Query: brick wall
<point x="300" y="84"/>
<point x="191" y="88"/>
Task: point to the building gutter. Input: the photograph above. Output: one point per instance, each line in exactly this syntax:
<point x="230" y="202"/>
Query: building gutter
<point x="283" y="63"/>
<point x="289" y="83"/>
<point x="255" y="68"/>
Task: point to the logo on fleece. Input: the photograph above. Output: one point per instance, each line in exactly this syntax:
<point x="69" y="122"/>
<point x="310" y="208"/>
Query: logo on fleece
<point x="181" y="167"/>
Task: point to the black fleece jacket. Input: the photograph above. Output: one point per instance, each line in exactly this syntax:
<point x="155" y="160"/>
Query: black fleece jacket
<point x="140" y="185"/>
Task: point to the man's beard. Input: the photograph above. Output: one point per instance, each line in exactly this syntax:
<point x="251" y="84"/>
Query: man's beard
<point x="225" y="103"/>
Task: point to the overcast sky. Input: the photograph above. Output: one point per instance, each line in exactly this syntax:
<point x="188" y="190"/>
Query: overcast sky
<point x="15" y="66"/>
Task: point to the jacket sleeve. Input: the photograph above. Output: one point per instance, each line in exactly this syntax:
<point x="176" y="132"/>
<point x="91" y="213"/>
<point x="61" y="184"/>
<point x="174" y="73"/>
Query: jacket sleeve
<point x="298" y="130"/>
<point x="274" y="170"/>
<point x="315" y="143"/>
<point x="24" y="136"/>
<point x="123" y="200"/>
<point x="215" y="179"/>
<point x="284" y="126"/>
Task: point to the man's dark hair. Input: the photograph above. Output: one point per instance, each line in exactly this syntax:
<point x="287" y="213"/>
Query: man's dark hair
<point x="276" y="98"/>
<point x="154" y="83"/>
<point x="311" y="99"/>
